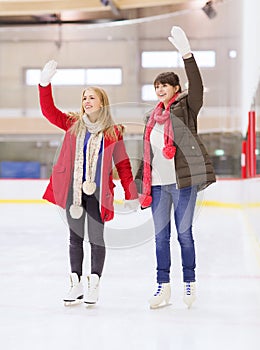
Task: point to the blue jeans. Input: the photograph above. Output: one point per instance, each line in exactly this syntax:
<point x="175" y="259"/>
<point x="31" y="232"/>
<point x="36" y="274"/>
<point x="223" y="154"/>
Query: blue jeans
<point x="184" y="201"/>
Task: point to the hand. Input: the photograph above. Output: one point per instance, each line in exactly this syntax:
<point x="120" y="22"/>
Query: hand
<point x="48" y="72"/>
<point x="132" y="204"/>
<point x="179" y="39"/>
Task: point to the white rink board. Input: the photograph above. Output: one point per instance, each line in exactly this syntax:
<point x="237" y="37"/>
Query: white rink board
<point x="225" y="191"/>
<point x="230" y="192"/>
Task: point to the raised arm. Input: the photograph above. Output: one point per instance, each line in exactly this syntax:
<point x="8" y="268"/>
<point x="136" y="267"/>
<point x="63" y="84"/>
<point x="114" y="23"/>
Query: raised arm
<point x="195" y="90"/>
<point x="48" y="108"/>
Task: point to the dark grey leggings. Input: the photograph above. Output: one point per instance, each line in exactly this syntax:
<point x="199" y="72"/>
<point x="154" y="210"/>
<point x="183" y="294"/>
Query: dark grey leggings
<point x="95" y="231"/>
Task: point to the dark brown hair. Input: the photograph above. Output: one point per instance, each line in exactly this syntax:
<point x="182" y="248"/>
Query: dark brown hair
<point x="167" y="78"/>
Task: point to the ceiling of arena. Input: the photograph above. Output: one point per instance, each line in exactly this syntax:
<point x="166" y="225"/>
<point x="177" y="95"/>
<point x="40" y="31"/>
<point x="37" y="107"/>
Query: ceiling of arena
<point x="15" y="12"/>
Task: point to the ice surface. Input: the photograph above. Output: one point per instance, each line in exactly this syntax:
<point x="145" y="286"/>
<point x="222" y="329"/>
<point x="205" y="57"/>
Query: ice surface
<point x="34" y="277"/>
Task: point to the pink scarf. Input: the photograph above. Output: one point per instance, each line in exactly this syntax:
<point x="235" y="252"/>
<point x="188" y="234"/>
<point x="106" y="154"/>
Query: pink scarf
<point x="168" y="151"/>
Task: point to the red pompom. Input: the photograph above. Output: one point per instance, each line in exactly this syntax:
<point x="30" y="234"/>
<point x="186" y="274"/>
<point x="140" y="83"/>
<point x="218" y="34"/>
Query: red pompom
<point x="169" y="152"/>
<point x="145" y="200"/>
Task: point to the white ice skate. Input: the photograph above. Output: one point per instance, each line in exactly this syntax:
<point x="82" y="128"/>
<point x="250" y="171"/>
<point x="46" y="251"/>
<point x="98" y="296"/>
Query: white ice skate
<point x="75" y="293"/>
<point x="189" y="293"/>
<point x="93" y="289"/>
<point x="161" y="296"/>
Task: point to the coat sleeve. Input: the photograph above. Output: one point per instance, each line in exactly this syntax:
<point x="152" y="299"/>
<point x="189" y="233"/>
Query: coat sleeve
<point x="124" y="169"/>
<point x="195" y="89"/>
<point x="50" y="111"/>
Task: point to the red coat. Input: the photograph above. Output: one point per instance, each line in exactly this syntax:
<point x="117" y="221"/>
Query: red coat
<point x="113" y="150"/>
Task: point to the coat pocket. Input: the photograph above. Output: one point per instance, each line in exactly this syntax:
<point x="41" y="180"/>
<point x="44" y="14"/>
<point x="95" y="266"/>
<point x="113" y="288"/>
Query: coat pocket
<point x="188" y="144"/>
<point x="57" y="168"/>
<point x="59" y="184"/>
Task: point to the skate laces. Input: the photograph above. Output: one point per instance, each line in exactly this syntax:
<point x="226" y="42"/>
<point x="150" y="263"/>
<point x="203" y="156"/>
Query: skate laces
<point x="189" y="288"/>
<point x="92" y="287"/>
<point x="159" y="289"/>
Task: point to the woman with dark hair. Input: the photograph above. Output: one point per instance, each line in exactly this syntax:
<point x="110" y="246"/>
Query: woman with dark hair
<point x="82" y="178"/>
<point x="175" y="167"/>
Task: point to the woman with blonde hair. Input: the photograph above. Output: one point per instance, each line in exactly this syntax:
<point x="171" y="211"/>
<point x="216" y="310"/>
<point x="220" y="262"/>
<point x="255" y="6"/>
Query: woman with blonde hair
<point x="81" y="180"/>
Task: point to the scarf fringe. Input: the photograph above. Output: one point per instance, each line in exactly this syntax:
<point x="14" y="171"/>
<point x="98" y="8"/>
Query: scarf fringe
<point x="76" y="211"/>
<point x="169" y="151"/>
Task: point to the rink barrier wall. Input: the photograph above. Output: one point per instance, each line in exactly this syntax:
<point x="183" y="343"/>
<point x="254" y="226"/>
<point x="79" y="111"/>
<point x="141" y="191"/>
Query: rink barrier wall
<point x="236" y="194"/>
<point x="228" y="193"/>
<point x="233" y="193"/>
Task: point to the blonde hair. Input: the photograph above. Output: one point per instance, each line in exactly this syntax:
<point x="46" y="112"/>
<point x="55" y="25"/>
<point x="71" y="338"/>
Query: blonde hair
<point x="105" y="117"/>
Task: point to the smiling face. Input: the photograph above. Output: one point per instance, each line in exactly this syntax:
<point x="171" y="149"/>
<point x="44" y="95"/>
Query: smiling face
<point x="165" y="92"/>
<point x="91" y="102"/>
<point x="95" y="104"/>
<point x="166" y="85"/>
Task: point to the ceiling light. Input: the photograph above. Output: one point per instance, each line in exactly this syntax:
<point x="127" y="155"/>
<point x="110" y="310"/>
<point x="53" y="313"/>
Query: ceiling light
<point x="232" y="53"/>
<point x="209" y="10"/>
<point x="114" y="8"/>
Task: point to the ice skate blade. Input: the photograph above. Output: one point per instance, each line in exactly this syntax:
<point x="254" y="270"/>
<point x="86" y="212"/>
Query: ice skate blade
<point x="160" y="306"/>
<point x="188" y="303"/>
<point x="89" y="304"/>
<point x="73" y="302"/>
<point x="189" y="306"/>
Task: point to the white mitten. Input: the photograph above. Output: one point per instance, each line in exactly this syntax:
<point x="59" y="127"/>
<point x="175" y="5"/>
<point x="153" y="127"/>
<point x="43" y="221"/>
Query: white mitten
<point x="48" y="72"/>
<point x="132" y="204"/>
<point x="179" y="39"/>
